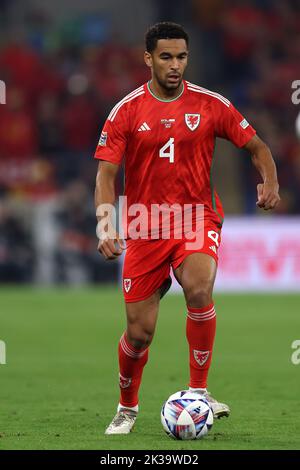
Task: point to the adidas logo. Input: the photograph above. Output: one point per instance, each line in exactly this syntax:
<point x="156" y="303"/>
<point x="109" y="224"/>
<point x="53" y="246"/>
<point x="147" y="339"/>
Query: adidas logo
<point x="213" y="248"/>
<point x="144" y="127"/>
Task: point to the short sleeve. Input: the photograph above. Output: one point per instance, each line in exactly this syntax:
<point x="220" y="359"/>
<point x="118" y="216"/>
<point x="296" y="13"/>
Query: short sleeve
<point x="231" y="125"/>
<point x="113" y="139"/>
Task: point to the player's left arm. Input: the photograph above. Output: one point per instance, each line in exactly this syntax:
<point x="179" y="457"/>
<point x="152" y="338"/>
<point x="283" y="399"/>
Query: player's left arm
<point x="268" y="191"/>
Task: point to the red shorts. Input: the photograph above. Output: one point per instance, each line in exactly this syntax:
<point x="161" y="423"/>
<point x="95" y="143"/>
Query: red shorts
<point x="147" y="262"/>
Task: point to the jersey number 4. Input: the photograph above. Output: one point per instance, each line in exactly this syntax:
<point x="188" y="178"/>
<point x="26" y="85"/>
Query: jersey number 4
<point x="168" y="150"/>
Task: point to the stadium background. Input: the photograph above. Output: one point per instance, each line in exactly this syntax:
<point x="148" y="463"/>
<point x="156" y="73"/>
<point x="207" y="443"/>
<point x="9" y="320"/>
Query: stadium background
<point x="65" y="64"/>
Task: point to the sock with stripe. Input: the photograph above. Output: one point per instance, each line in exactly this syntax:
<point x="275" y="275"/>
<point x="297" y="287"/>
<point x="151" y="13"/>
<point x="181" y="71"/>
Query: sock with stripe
<point x="131" y="365"/>
<point x="200" y="333"/>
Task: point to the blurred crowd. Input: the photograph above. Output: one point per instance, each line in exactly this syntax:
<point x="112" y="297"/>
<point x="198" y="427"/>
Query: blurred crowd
<point x="61" y="83"/>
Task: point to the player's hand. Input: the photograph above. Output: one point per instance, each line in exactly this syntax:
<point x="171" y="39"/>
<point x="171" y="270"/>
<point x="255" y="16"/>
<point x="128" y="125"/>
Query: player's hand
<point x="111" y="246"/>
<point x="267" y="195"/>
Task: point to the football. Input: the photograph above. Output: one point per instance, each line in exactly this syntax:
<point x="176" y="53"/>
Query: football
<point x="186" y="415"/>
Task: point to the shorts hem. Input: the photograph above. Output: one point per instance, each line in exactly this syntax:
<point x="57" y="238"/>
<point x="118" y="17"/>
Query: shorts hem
<point x="139" y="299"/>
<point x="145" y="297"/>
<point x="175" y="265"/>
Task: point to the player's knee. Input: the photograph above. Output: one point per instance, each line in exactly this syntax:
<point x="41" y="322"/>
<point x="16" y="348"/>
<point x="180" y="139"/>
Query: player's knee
<point x="140" y="339"/>
<point x="199" y="295"/>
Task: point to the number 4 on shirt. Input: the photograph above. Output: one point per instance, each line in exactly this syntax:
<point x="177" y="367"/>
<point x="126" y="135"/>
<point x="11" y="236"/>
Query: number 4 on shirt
<point x="163" y="153"/>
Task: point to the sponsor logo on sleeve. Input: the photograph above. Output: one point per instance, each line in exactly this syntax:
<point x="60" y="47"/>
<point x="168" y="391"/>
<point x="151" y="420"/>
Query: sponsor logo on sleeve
<point x="103" y="139"/>
<point x="244" y="123"/>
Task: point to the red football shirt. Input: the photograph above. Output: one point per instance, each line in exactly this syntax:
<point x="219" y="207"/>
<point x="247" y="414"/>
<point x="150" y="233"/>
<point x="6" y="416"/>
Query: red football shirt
<point x="168" y="145"/>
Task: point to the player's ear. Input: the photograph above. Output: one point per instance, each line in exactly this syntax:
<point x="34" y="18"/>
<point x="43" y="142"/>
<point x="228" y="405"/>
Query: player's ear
<point x="148" y="58"/>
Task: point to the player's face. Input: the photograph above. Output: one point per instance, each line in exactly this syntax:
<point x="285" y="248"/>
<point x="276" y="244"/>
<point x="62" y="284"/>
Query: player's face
<point x="168" y="62"/>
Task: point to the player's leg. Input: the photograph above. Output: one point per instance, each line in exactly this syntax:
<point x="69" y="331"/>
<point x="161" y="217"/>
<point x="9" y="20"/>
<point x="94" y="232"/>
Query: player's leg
<point x="134" y="347"/>
<point x="133" y="356"/>
<point x="196" y="274"/>
<point x="145" y="280"/>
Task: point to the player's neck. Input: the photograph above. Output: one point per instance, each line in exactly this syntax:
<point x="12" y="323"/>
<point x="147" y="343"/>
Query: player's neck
<point x="163" y="94"/>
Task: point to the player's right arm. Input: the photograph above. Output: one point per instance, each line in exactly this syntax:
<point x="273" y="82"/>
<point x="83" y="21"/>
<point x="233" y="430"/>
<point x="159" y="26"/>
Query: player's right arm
<point x="110" y="151"/>
<point x="110" y="244"/>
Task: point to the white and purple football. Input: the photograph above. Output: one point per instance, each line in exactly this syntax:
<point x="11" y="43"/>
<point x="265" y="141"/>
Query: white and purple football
<point x="186" y="415"/>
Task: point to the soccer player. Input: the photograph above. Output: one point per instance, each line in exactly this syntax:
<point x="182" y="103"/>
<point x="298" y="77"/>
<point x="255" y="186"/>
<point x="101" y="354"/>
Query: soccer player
<point x="166" y="130"/>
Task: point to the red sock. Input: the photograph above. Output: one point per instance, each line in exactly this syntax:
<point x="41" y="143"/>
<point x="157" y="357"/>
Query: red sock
<point x="131" y="363"/>
<point x="200" y="333"/>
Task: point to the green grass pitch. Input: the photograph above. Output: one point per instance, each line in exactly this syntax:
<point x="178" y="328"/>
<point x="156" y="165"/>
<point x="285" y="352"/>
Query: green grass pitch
<point x="58" y="389"/>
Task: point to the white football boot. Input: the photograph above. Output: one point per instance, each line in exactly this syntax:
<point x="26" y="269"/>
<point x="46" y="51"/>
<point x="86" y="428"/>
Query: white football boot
<point x="123" y="422"/>
<point x="219" y="409"/>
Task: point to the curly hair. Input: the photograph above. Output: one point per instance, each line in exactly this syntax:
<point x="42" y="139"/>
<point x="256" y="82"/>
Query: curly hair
<point x="164" y="30"/>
